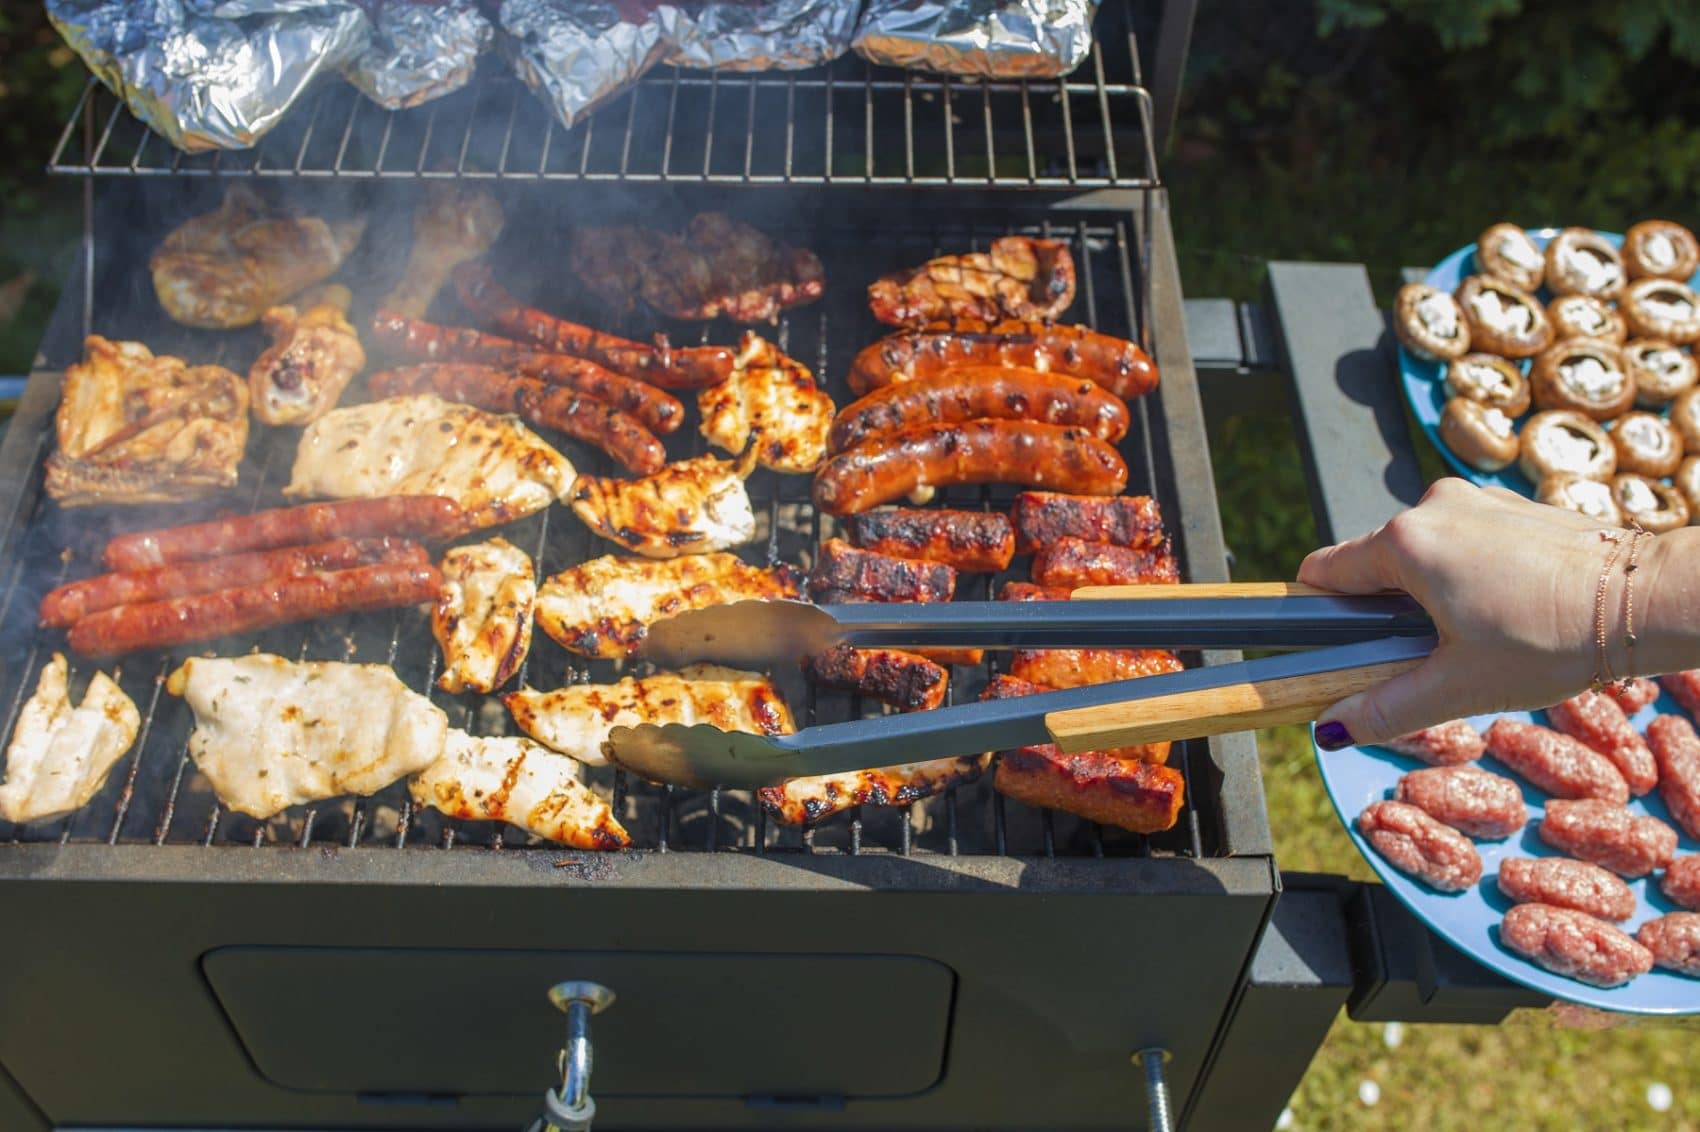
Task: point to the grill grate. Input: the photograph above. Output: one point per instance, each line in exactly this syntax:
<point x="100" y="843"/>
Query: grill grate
<point x="155" y="795"/>
<point x="848" y="123"/>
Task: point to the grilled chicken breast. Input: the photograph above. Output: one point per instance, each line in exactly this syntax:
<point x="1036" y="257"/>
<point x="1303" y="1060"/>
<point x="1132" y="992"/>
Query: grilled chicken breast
<point x="494" y="467"/>
<point x="453" y="224"/>
<point x="313" y="356"/>
<point x="59" y="755"/>
<point x="512" y="779"/>
<point x="134" y="427"/>
<point x="799" y="801"/>
<point x="773" y="399"/>
<point x="483" y="615"/>
<point x="272" y="733"/>
<point x="575" y="720"/>
<point x="691" y="507"/>
<point x="604" y="607"/>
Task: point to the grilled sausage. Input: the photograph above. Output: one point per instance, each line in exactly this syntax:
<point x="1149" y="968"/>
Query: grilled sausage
<point x="939" y="455"/>
<point x="1674" y="940"/>
<point x="1574" y="945"/>
<point x="1677" y="751"/>
<point x="247" y="609"/>
<point x="1634" y="694"/>
<point x="1004" y="687"/>
<point x="1609" y="836"/>
<point x="843" y="569"/>
<point x="1070" y="563"/>
<point x="411" y="340"/>
<point x="1467" y="798"/>
<point x="981" y="392"/>
<point x="415" y="516"/>
<point x="1027" y="591"/>
<point x="1564" y="883"/>
<point x="1445" y="744"/>
<point x="694" y="367"/>
<point x="904" y="680"/>
<point x="1076" y="668"/>
<point x="1681" y="882"/>
<point x="1078" y="351"/>
<point x="1416" y="844"/>
<point x="1595" y="719"/>
<point x="1043" y="517"/>
<point x="565" y="410"/>
<point x="969" y="541"/>
<point x="1556" y="763"/>
<point x="76" y="600"/>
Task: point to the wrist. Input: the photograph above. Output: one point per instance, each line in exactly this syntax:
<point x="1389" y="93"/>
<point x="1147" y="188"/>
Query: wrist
<point x="1667" y="605"/>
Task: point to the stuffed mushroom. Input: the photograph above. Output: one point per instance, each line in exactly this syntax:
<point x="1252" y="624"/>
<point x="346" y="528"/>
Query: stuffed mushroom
<point x="1481" y="437"/>
<point x="1662" y="308"/>
<point x="1687" y="481"/>
<point x="1580" y="261"/>
<point x="1563" y="441"/>
<point x="1507" y="252"/>
<point x="1502" y="319"/>
<point x="1647" y="444"/>
<point x="1583" y="316"/>
<point x="1662" y="248"/>
<point x="1429" y="323"/>
<point x="1489" y="380"/>
<point x="1656" y="506"/>
<point x="1661" y="372"/>
<point x="1585" y="374"/>
<point x="1685" y="415"/>
<point x="1584" y="496"/>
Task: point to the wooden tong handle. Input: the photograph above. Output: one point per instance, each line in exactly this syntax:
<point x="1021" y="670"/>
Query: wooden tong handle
<point x="1216" y="711"/>
<point x="1201" y="589"/>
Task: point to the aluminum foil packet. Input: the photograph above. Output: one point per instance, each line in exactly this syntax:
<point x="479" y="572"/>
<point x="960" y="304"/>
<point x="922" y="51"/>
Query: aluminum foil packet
<point x="992" y="39"/>
<point x="211" y="74"/>
<point x="420" y="50"/>
<point x="765" y="35"/>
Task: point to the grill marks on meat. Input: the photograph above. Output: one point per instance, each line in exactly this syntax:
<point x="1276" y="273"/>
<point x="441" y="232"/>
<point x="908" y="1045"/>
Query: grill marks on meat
<point x="566" y="410"/>
<point x="1418" y="845"/>
<point x="1574" y="945"/>
<point x="800" y="801"/>
<point x="977" y="393"/>
<point x="134" y="427"/>
<point x="575" y="720"/>
<point x="844" y="574"/>
<point x="313" y="356"/>
<point x="521" y="782"/>
<point x="454" y="224"/>
<point x="604" y="608"/>
<point x="1452" y="743"/>
<point x="902" y="679"/>
<point x="689" y="507"/>
<point x="968" y="541"/>
<point x="1070" y="563"/>
<point x="773" y="400"/>
<point x="1674" y="941"/>
<point x="483" y="616"/>
<point x="1116" y="364"/>
<point x="60" y="755"/>
<point x="1608" y="835"/>
<point x="1555" y="763"/>
<point x="865" y="575"/>
<point x="1676" y="748"/>
<point x="1017" y="277"/>
<point x="1467" y="798"/>
<point x="272" y="733"/>
<point x="1596" y="720"/>
<point x="1042" y="518"/>
<point x="1564" y="883"/>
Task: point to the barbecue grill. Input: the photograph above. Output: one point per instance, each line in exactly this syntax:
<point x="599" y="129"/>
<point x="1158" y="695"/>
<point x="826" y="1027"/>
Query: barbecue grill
<point x="966" y="962"/>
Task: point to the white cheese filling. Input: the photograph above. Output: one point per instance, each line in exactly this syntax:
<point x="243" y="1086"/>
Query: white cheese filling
<point x="1637" y="497"/>
<point x="1658" y="252"/>
<point x="1491" y="380"/>
<point x="1497" y="423"/>
<point x="1648" y="434"/>
<point x="1500" y="313"/>
<point x="1566" y="450"/>
<point x="1439" y="314"/>
<point x="1591" y="497"/>
<point x="1520" y="251"/>
<point x="1597" y="271"/>
<point x="1584" y="315"/>
<point x="1590" y="379"/>
<point x="1668" y="305"/>
<point x="1668" y="362"/>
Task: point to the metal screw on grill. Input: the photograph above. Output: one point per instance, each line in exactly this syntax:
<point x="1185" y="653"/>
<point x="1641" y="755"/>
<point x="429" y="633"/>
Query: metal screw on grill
<point x="1152" y="1059"/>
<point x="571" y="1109"/>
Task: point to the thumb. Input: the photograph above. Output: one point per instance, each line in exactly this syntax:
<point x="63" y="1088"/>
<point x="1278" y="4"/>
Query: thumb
<point x="1408" y="702"/>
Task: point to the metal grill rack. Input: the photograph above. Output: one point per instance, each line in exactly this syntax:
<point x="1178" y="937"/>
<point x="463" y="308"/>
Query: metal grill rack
<point x="835" y="125"/>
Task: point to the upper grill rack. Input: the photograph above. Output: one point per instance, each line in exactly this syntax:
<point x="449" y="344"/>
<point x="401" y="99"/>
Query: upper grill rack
<point x="845" y="124"/>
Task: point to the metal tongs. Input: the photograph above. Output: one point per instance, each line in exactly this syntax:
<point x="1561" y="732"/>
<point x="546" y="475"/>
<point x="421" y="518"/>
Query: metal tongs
<point x="1354" y="642"/>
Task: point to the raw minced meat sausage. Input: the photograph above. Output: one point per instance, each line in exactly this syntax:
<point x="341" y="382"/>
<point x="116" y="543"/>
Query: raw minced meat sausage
<point x="1564" y="883"/>
<point x="1684" y="688"/>
<point x="1445" y="744"/>
<point x="1415" y="843"/>
<point x="1574" y="944"/>
<point x="1467" y="798"/>
<point x="1677" y="750"/>
<point x="1609" y="836"/>
<point x="1556" y="763"/>
<point x="1674" y="941"/>
<point x="1634" y="694"/>
<point x="1681" y="882"/>
<point x="1596" y="720"/>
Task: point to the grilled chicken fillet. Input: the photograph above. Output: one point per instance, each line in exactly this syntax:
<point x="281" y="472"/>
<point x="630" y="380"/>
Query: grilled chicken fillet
<point x="59" y="756"/>
<point x="773" y="399"/>
<point x="799" y="801"/>
<point x="313" y="356"/>
<point x="691" y="507"/>
<point x="512" y="779"/>
<point x="483" y="615"/>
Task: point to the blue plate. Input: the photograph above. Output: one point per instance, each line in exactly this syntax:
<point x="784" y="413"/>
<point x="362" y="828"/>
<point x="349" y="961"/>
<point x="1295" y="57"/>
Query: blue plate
<point x="1424" y="384"/>
<point x="1469" y="920"/>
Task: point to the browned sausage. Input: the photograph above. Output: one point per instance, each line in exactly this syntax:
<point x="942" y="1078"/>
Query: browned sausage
<point x="1043" y="517"/>
<point x="691" y="367"/>
<point x="904" y="680"/>
<point x="415" y="516"/>
<point x="1027" y="591"/>
<point x="1070" y="563"/>
<point x="939" y="455"/>
<point x="1003" y="687"/>
<point x="71" y="602"/>
<point x="246" y="609"/>
<point x="567" y="411"/>
<point x="1077" y="668"/>
<point x="879" y="577"/>
<point x="975" y="392"/>
<point x="410" y="340"/>
<point x="970" y="541"/>
<point x="1078" y="351"/>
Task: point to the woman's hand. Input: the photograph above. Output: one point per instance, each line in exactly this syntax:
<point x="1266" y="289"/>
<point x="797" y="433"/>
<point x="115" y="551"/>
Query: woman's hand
<point x="1510" y="584"/>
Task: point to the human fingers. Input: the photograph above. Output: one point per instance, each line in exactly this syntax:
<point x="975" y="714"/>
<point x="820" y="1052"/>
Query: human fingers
<point x="1410" y="701"/>
<point x="1356" y="566"/>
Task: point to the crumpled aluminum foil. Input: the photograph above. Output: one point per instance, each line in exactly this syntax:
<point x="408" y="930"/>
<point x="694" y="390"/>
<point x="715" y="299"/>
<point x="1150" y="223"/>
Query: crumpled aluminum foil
<point x="767" y="35"/>
<point x="211" y="74"/>
<point x="420" y="51"/>
<point x="993" y="39"/>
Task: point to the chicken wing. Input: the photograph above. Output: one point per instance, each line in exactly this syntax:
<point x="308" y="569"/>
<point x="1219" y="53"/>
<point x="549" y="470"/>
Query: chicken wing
<point x="691" y="507"/>
<point x="453" y="224"/>
<point x="512" y="779"/>
<point x="774" y="399"/>
<point x="483" y="615"/>
<point x="313" y="356"/>
<point x="59" y="755"/>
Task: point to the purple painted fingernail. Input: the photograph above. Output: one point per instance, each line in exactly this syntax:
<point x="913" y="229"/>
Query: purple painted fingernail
<point x="1331" y="736"/>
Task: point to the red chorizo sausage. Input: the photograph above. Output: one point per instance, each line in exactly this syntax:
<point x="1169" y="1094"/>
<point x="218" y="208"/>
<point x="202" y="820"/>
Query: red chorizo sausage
<point x="975" y="392"/>
<point x="415" y="516"/>
<point x="69" y="603"/>
<point x="409" y="339"/>
<point x="970" y="541"/>
<point x="247" y="609"/>
<point x="1070" y="563"/>
<point x="1043" y="517"/>
<point x="939" y="455"/>
<point x="1078" y="351"/>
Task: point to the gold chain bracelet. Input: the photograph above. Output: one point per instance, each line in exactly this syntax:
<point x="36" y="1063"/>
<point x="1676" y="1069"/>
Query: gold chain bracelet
<point x="1621" y="541"/>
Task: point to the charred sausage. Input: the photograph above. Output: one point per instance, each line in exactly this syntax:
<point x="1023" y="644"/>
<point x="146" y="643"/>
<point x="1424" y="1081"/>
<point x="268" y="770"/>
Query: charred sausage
<point x="1070" y="563"/>
<point x="969" y="541"/>
<point x="1116" y="364"/>
<point x="1076" y="668"/>
<point x="981" y="392"/>
<point x="879" y="577"/>
<point x="904" y="680"/>
<point x="247" y="609"/>
<point x="940" y="455"/>
<point x="1043" y="517"/>
<point x="413" y="516"/>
